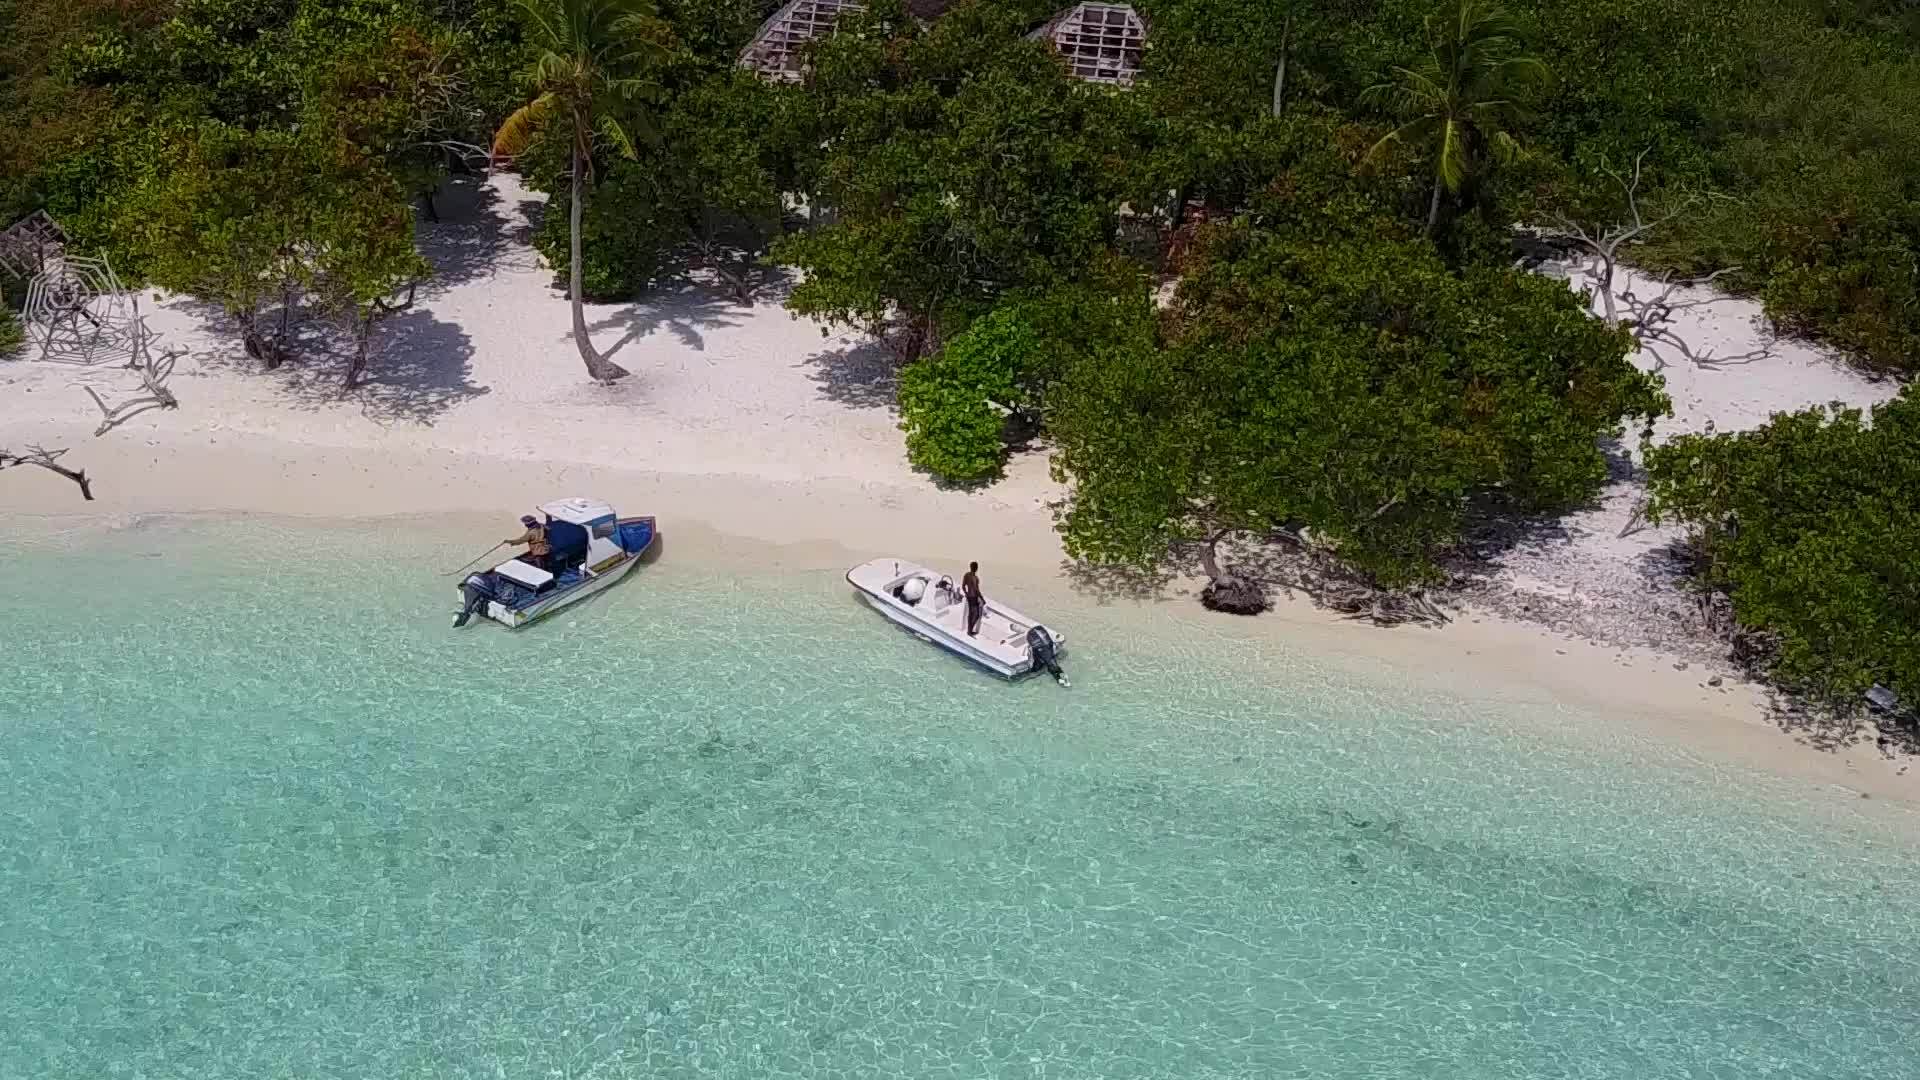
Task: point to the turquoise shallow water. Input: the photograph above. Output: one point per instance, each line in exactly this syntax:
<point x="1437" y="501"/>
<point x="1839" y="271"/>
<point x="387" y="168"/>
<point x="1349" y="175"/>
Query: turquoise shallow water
<point x="263" y="815"/>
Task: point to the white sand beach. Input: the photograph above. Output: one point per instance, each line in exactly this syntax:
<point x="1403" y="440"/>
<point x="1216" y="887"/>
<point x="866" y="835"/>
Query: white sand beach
<point x="747" y="423"/>
<point x="1601" y="573"/>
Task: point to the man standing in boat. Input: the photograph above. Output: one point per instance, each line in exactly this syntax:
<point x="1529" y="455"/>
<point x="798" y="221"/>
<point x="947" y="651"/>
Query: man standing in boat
<point x="976" y="604"/>
<point x="539" y="550"/>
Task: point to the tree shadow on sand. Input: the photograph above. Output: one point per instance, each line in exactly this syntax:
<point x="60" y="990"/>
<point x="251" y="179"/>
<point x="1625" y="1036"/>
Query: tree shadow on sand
<point x="1106" y="584"/>
<point x="680" y="306"/>
<point x="863" y="374"/>
<point x="471" y="239"/>
<point x="1837" y="729"/>
<point x="1492" y="529"/>
<point x="419" y="368"/>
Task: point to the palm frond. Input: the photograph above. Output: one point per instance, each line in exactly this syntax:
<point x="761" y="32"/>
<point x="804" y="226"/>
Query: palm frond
<point x="548" y="32"/>
<point x="1503" y="147"/>
<point x="1413" y="131"/>
<point x="616" y="135"/>
<point x="1450" y="163"/>
<point x="517" y="130"/>
<point x="1518" y="71"/>
<point x="1408" y="91"/>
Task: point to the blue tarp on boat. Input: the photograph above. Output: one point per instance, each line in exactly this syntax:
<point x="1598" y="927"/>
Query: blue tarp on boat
<point x="569" y="543"/>
<point x="634" y="536"/>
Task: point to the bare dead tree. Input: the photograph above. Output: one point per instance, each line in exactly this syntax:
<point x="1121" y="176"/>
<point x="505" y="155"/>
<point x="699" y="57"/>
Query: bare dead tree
<point x="1649" y="319"/>
<point x="153" y="371"/>
<point x="49" y="460"/>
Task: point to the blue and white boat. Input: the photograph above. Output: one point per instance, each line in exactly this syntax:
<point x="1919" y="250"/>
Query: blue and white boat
<point x="928" y="603"/>
<point x="592" y="548"/>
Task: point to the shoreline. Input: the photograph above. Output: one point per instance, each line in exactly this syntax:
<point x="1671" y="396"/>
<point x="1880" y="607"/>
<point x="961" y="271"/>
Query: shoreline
<point x="761" y="525"/>
<point x="769" y="431"/>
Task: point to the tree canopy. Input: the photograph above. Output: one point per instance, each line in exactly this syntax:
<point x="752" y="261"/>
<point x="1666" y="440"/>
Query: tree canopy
<point x="1811" y="524"/>
<point x="1358" y="389"/>
<point x="1245" y="293"/>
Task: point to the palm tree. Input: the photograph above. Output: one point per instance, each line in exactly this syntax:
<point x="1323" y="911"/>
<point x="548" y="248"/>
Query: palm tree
<point x="591" y="74"/>
<point x="1462" y="97"/>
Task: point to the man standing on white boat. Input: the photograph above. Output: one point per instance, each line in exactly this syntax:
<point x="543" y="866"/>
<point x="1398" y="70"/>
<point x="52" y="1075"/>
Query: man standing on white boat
<point x="976" y="604"/>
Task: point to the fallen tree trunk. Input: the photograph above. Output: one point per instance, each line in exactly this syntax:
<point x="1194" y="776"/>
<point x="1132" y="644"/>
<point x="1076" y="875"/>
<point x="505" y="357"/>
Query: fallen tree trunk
<point x="1314" y="569"/>
<point x="49" y="460"/>
<point x="1228" y="592"/>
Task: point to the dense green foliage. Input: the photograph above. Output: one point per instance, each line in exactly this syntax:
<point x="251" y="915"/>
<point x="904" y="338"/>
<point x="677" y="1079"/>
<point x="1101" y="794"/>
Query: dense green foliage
<point x="11" y="335"/>
<point x="1812" y="525"/>
<point x="1334" y="182"/>
<point x="961" y="163"/>
<point x="263" y="157"/>
<point x="954" y="405"/>
<point x="1351" y="384"/>
<point x="707" y="190"/>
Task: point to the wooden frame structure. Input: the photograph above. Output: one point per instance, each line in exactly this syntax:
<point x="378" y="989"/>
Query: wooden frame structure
<point x="778" y="48"/>
<point x="28" y="245"/>
<point x="1101" y="43"/>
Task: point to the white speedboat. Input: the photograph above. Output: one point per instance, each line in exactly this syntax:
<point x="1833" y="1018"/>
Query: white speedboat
<point x="929" y="603"/>
<point x="592" y="548"/>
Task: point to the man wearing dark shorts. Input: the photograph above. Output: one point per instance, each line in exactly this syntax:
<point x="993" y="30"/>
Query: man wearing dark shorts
<point x="976" y="604"/>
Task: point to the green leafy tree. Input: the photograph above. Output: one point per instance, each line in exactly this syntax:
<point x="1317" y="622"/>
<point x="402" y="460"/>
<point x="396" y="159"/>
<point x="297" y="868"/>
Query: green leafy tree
<point x="1352" y="389"/>
<point x="732" y="157"/>
<point x="709" y="193"/>
<point x="1811" y="525"/>
<point x="364" y="260"/>
<point x="590" y="76"/>
<point x="229" y="221"/>
<point x="960" y="163"/>
<point x="1463" y="96"/>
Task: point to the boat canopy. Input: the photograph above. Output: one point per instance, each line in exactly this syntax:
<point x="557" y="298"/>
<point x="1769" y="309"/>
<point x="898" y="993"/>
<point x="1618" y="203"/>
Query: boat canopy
<point x="579" y="511"/>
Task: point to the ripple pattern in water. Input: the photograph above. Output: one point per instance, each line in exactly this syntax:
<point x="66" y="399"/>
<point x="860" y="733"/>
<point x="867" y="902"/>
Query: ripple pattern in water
<point x="268" y="817"/>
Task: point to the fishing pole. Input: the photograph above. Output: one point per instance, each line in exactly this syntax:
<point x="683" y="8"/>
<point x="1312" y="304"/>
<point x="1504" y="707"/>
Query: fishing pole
<point x="476" y="559"/>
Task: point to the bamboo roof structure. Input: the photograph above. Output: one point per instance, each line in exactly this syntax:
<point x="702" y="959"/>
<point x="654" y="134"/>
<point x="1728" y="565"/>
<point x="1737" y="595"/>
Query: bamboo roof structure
<point x="778" y="48"/>
<point x="1101" y="43"/>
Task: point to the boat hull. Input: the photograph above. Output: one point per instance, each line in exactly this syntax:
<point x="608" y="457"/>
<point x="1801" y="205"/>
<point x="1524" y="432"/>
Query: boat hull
<point x="600" y="576"/>
<point x="871" y="583"/>
<point x="515" y="618"/>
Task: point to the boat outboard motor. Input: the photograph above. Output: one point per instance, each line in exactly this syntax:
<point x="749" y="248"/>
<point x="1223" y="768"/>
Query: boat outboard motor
<point x="1040" y="646"/>
<point x="478" y="591"/>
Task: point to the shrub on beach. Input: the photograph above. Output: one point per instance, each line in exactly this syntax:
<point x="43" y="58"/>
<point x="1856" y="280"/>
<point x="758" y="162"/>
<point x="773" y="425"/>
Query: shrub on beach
<point x="11" y="335"/>
<point x="1348" y="387"/>
<point x="954" y="405"/>
<point x="1811" y="526"/>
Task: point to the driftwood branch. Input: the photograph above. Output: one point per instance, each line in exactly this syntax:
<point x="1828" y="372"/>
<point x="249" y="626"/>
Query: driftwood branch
<point x="49" y="460"/>
<point x="154" y="373"/>
<point x="1308" y="564"/>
